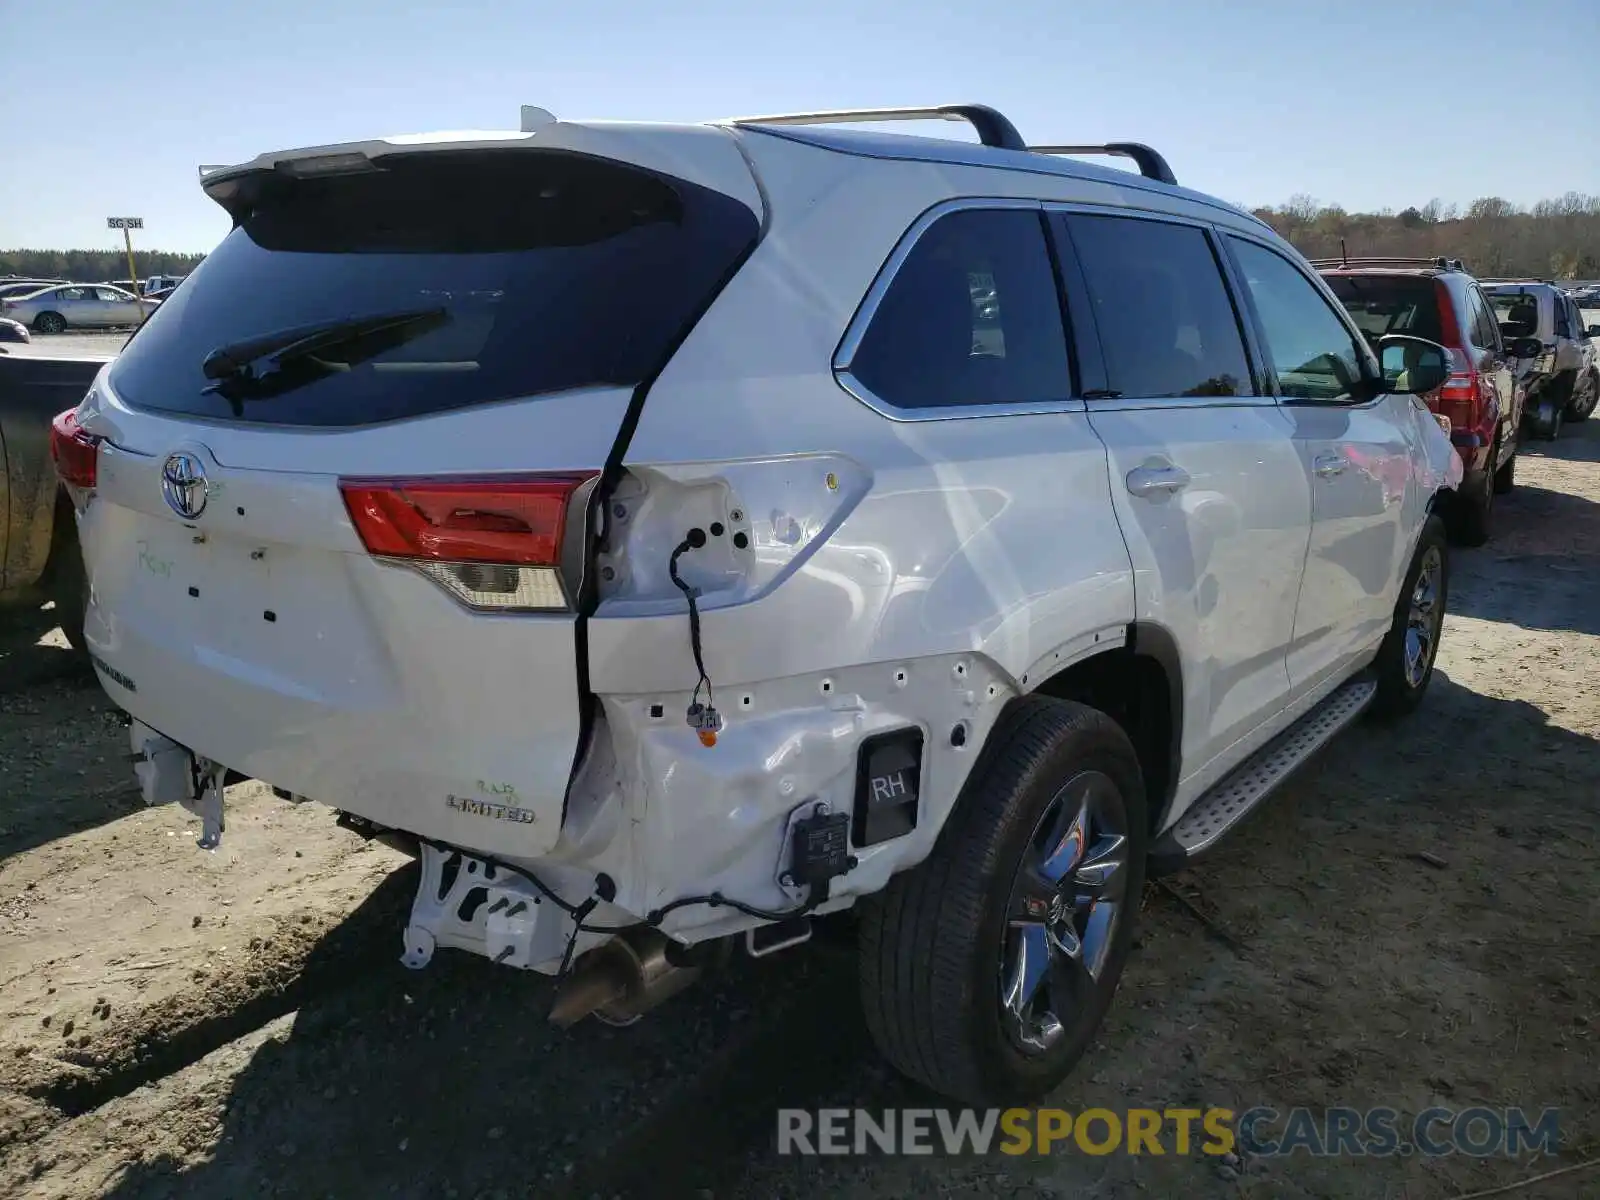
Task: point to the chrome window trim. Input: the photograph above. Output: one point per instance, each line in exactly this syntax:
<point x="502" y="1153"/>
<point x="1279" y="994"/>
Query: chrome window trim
<point x="1163" y="403"/>
<point x="1086" y="209"/>
<point x="868" y="308"/>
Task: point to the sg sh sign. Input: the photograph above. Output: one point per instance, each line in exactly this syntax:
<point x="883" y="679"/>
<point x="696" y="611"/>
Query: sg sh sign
<point x="124" y="222"/>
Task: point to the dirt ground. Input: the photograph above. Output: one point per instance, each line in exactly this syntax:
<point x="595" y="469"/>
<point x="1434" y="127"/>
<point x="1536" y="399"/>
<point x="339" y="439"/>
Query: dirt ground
<point x="177" y="1023"/>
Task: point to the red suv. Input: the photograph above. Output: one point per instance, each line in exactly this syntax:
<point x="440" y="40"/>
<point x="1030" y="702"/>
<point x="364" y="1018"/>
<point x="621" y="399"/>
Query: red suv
<point x="1437" y="299"/>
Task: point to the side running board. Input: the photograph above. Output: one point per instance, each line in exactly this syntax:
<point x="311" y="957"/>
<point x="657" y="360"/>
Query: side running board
<point x="1252" y="781"/>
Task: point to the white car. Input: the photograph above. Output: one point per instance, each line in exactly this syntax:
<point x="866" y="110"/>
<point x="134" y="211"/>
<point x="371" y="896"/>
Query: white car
<point x="77" y="306"/>
<point x="688" y="532"/>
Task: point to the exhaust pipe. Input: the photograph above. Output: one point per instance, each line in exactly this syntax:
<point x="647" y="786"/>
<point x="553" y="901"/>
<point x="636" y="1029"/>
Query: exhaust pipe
<point x="624" y="979"/>
<point x="396" y="839"/>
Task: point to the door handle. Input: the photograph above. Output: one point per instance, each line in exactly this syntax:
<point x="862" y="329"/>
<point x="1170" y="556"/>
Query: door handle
<point x="1329" y="465"/>
<point x="1150" y="481"/>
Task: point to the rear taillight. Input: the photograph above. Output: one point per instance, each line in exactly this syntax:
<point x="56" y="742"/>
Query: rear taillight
<point x="1458" y="395"/>
<point x="492" y="543"/>
<point x="75" y="452"/>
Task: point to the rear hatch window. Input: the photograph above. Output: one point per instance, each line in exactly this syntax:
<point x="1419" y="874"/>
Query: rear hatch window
<point x="1385" y="304"/>
<point x="1517" y="314"/>
<point x="490" y="276"/>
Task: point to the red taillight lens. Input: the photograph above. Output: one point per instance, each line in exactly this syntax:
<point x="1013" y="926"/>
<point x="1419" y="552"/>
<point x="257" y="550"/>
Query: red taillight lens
<point x="493" y="543"/>
<point x="1458" y="395"/>
<point x="517" y="521"/>
<point x="76" y="453"/>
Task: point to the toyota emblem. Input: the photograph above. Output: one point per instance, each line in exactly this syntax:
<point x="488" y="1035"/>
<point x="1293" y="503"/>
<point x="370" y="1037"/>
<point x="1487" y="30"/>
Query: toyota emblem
<point x="183" y="483"/>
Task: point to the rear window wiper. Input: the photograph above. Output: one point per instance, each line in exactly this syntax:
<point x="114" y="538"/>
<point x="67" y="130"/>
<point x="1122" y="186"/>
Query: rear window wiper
<point x="235" y="362"/>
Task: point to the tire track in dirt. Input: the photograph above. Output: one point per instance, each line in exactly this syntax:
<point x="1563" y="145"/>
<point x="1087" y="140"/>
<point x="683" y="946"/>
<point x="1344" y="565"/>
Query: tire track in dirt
<point x="791" y="1057"/>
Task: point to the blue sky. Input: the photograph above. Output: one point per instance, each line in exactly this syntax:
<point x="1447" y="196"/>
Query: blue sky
<point x="111" y="106"/>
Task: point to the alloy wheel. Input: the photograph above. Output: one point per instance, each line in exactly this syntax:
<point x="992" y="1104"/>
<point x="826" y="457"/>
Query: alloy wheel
<point x="1424" y="619"/>
<point x="1065" y="905"/>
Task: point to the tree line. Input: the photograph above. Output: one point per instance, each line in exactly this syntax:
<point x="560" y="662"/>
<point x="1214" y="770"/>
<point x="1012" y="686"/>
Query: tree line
<point x="1493" y="238"/>
<point x="93" y="266"/>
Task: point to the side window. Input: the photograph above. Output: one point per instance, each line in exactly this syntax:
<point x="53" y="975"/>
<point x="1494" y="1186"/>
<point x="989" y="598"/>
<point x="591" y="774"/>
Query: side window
<point x="1313" y="353"/>
<point x="72" y="294"/>
<point x="1563" y="326"/>
<point x="971" y="317"/>
<point x="1485" y="333"/>
<point x="107" y="294"/>
<point x="1166" y="325"/>
<point x="1493" y="318"/>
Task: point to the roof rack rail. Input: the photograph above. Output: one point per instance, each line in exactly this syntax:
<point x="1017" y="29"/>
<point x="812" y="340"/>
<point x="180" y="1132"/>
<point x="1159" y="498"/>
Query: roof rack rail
<point x="1438" y="262"/>
<point x="992" y="126"/>
<point x="1151" y="164"/>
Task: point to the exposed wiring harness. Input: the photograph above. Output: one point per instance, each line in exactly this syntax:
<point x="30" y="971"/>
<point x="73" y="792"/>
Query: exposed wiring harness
<point x="702" y="717"/>
<point x="705" y="720"/>
<point x="606" y="891"/>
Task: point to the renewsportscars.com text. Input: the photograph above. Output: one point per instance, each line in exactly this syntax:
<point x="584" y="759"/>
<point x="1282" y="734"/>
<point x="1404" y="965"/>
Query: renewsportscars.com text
<point x="1479" y="1132"/>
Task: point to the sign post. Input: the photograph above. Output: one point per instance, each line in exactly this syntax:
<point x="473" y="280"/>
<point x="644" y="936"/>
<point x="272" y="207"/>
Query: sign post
<point x="125" y="224"/>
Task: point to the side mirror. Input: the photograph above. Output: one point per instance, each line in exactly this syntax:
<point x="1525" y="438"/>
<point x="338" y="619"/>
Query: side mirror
<point x="1593" y="331"/>
<point x="1524" y="347"/>
<point x="1412" y="366"/>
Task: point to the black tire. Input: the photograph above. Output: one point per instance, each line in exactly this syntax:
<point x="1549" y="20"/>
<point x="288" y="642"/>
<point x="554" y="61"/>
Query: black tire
<point x="1400" y="685"/>
<point x="1505" y="479"/>
<point x="1548" y="407"/>
<point x="1585" y="395"/>
<point x="932" y="942"/>
<point x="1472" y="513"/>
<point x="50" y="322"/>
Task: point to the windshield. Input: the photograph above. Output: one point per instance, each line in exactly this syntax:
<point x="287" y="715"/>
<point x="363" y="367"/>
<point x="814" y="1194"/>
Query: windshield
<point x="1384" y="304"/>
<point x="552" y="272"/>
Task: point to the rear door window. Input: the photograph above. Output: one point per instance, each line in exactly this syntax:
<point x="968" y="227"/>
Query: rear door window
<point x="1516" y="314"/>
<point x="1314" y="355"/>
<point x="527" y="273"/>
<point x="971" y="317"/>
<point x="1166" y="324"/>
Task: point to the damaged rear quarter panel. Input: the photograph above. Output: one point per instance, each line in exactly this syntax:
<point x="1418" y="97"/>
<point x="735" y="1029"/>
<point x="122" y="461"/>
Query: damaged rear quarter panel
<point x="949" y="566"/>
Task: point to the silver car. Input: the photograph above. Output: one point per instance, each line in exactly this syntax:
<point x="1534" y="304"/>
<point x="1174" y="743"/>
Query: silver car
<point x="1563" y="382"/>
<point x="14" y="288"/>
<point x="76" y="306"/>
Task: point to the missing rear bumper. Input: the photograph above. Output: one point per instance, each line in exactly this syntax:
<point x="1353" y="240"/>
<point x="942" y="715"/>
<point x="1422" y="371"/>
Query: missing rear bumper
<point x="466" y="903"/>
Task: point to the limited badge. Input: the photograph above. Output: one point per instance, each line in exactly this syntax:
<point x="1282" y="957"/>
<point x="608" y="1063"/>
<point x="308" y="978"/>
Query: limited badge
<point x="488" y="808"/>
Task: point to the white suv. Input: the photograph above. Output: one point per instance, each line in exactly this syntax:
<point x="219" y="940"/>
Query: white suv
<point x="680" y="533"/>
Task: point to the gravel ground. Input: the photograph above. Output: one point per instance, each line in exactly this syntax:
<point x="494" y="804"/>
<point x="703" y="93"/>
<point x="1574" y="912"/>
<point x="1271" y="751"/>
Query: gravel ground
<point x="183" y="1024"/>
